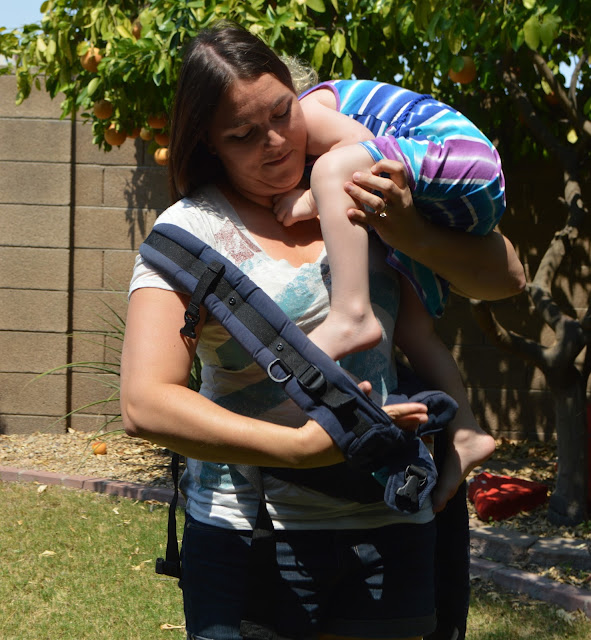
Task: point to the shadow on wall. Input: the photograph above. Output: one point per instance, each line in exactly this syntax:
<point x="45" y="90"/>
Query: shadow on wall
<point x="146" y="195"/>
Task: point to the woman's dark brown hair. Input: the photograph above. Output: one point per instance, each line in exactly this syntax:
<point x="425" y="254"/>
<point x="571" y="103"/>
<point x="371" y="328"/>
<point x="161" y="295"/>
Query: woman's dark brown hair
<point x="213" y="60"/>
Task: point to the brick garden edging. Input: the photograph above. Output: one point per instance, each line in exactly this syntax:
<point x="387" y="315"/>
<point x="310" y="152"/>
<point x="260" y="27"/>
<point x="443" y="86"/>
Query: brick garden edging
<point x="499" y="547"/>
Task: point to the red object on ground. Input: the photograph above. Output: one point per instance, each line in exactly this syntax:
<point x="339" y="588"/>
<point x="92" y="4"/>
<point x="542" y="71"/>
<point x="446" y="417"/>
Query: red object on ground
<point x="499" y="497"/>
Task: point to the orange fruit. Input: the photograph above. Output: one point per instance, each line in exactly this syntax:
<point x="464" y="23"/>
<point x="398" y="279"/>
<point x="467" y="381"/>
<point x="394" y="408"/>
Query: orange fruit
<point x="467" y="74"/>
<point x="91" y="59"/>
<point x="157" y="121"/>
<point x="161" y="156"/>
<point x="99" y="448"/>
<point x="136" y="30"/>
<point x="162" y="139"/>
<point x="134" y="133"/>
<point x="115" y="137"/>
<point x="103" y="109"/>
<point x="146" y="134"/>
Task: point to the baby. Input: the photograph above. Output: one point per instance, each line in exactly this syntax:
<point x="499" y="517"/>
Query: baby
<point x="455" y="176"/>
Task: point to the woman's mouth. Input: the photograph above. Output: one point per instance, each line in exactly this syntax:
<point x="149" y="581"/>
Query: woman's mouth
<point x="280" y="160"/>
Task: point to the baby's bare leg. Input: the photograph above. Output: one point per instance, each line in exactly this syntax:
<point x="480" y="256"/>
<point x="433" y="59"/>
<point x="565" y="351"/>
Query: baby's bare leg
<point x="351" y="324"/>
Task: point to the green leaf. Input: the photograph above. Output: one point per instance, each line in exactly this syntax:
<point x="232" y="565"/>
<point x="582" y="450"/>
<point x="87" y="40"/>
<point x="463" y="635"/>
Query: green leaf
<point x="316" y="5"/>
<point x="338" y="43"/>
<point x="123" y="32"/>
<point x="93" y="85"/>
<point x="322" y="46"/>
<point x="529" y="4"/>
<point x="549" y="29"/>
<point x="347" y="66"/>
<point x="531" y="33"/>
<point x="454" y="42"/>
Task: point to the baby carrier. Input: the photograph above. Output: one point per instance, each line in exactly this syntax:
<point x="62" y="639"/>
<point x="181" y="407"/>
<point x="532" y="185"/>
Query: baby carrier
<point x="368" y="439"/>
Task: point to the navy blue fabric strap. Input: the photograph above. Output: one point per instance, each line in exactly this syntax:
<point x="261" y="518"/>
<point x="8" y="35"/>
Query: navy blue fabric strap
<point x="361" y="429"/>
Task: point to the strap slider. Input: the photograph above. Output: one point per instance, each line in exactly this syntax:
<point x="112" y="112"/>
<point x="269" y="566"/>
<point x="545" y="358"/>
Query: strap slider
<point x="312" y="379"/>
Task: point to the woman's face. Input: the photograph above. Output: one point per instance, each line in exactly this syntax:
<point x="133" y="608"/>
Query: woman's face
<point x="259" y="134"/>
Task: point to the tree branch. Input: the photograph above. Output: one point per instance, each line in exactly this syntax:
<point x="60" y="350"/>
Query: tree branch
<point x="535" y="123"/>
<point x="568" y="105"/>
<point x="572" y="92"/>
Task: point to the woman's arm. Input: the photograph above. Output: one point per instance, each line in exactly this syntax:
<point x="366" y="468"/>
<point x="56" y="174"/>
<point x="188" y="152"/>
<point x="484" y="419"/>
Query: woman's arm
<point x="483" y="267"/>
<point x="157" y="405"/>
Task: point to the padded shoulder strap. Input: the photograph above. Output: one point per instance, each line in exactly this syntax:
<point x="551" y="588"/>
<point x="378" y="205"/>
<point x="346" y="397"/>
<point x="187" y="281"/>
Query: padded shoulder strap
<point x="362" y="430"/>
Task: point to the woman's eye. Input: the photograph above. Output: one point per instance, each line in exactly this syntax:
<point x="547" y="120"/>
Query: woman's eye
<point x="285" y="112"/>
<point x="242" y="135"/>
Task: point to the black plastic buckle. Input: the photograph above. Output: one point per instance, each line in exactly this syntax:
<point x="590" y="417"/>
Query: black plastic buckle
<point x="167" y="568"/>
<point x="191" y="321"/>
<point x="312" y="379"/>
<point x="407" y="496"/>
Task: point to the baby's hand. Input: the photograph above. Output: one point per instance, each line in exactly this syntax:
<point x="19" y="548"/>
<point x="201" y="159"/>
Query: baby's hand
<point x="293" y="206"/>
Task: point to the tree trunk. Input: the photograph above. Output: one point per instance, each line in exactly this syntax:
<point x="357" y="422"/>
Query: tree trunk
<point x="568" y="502"/>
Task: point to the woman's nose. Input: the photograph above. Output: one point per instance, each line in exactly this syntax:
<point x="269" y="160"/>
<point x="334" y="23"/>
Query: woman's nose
<point x="274" y="138"/>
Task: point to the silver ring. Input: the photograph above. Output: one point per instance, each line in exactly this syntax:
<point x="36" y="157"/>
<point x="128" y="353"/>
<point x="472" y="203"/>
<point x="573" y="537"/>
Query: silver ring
<point x="383" y="214"/>
<point x="274" y="378"/>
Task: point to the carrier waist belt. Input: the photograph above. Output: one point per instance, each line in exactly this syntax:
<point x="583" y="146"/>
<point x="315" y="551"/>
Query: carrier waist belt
<point x="365" y="434"/>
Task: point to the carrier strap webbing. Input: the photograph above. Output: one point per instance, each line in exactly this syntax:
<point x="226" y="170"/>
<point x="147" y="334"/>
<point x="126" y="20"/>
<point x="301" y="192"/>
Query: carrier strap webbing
<point x="171" y="566"/>
<point x="289" y="361"/>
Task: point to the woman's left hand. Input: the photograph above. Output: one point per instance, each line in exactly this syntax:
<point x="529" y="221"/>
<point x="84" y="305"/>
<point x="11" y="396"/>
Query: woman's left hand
<point x="393" y="215"/>
<point x="409" y="416"/>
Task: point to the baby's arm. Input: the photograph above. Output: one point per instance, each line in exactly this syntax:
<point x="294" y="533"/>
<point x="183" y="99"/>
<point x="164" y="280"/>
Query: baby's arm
<point x="327" y="129"/>
<point x="469" y="445"/>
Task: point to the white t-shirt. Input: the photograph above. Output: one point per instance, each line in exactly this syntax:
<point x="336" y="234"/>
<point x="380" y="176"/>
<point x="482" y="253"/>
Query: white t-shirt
<point x="216" y="493"/>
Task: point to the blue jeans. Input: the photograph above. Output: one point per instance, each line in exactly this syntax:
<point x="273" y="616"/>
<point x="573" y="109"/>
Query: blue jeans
<point x="361" y="583"/>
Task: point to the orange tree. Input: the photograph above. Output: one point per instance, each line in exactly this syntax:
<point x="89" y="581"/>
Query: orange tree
<point x="115" y="62"/>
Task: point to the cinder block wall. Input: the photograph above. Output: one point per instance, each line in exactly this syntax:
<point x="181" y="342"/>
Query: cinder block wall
<point x="72" y="218"/>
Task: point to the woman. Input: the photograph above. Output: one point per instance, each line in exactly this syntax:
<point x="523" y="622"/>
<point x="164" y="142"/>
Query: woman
<point x="342" y="574"/>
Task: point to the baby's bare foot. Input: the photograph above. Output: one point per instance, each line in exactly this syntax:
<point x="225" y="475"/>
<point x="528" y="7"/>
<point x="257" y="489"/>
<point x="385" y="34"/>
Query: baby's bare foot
<point x="340" y="334"/>
<point x="467" y="449"/>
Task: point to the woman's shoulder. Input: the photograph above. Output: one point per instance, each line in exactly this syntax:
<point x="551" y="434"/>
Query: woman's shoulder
<point x="201" y="214"/>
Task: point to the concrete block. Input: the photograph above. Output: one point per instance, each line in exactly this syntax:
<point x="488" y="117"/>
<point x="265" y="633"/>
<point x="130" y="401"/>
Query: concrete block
<point x="23" y="424"/>
<point x="118" y="269"/>
<point x="91" y="424"/>
<point x="561" y="551"/>
<point x="136" y="188"/>
<point x="88" y="269"/>
<point x="34" y="183"/>
<point x="24" y="394"/>
<point x="88" y="180"/>
<point x="22" y="310"/>
<point x="34" y="268"/>
<point x="91" y="307"/>
<point x="88" y="347"/>
<point x="94" y="388"/>
<point x="111" y="228"/>
<point x="130" y="153"/>
<point x="34" y="226"/>
<point x="489" y="367"/>
<point x="75" y="481"/>
<point x="95" y="484"/>
<point x="35" y="140"/>
<point x="9" y="474"/>
<point x="500" y="545"/>
<point x="27" y="352"/>
<point x="38" y="105"/>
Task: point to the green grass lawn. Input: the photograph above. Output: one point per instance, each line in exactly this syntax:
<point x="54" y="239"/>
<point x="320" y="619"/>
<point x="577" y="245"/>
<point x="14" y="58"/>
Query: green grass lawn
<point x="75" y="565"/>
